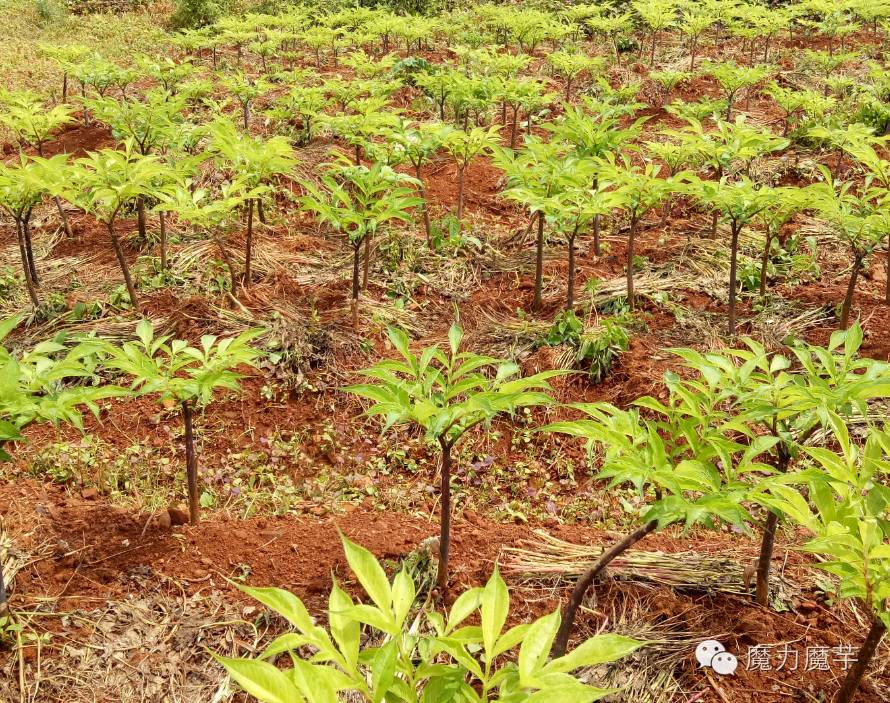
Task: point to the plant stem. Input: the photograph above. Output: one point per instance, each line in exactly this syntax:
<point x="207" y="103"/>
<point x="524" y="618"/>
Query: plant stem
<point x="630" y="260"/>
<point x="887" y="272"/>
<point x="851" y="290"/>
<point x="461" y="177"/>
<point x="162" y="220"/>
<point x="733" y="272"/>
<point x="233" y="278"/>
<point x="425" y="208"/>
<point x="248" y="245"/>
<point x="119" y="253"/>
<point x="863" y="659"/>
<point x="767" y="544"/>
<point x="445" y="519"/>
<point x="571" y="609"/>
<point x="357" y="247"/>
<point x="191" y="464"/>
<point x="366" y="263"/>
<point x="764" y="262"/>
<point x="260" y="210"/>
<point x="29" y="284"/>
<point x="597" y="248"/>
<point x="3" y="595"/>
<point x="570" y="288"/>
<point x="29" y="249"/>
<point x="539" y="263"/>
<point x="66" y="225"/>
<point x="140" y="217"/>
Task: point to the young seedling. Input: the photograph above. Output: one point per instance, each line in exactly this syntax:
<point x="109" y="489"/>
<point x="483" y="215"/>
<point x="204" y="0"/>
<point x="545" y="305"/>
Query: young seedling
<point x="423" y="654"/>
<point x="788" y="202"/>
<point x="257" y="163"/>
<point x="616" y="27"/>
<point x="419" y="143"/>
<point x="41" y="385"/>
<point x="571" y="66"/>
<point x="22" y="187"/>
<point x="658" y="15"/>
<point x="573" y="209"/>
<point x="734" y="78"/>
<point x="184" y="376"/>
<point x="246" y="90"/>
<point x="860" y="221"/>
<point x="212" y="213"/>
<point x="638" y="191"/>
<point x="535" y="175"/>
<point x="781" y="400"/>
<point x="668" y="80"/>
<point x="694" y="22"/>
<point x="33" y="125"/>
<point x="878" y="172"/>
<point x="447" y="393"/>
<point x="595" y="131"/>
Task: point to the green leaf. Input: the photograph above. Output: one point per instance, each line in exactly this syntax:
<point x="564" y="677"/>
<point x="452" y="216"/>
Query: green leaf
<point x="383" y="669"/>
<point x="313" y="682"/>
<point x="512" y="637"/>
<point x="261" y="680"/>
<point x="494" y="607"/>
<point x="345" y="630"/>
<point x="455" y="335"/>
<point x="370" y="574"/>
<point x="286" y="604"/>
<point x="599" y="649"/>
<point x="464" y="605"/>
<point x="370" y="615"/>
<point x="535" y="648"/>
<point x="403" y="593"/>
<point x="569" y="693"/>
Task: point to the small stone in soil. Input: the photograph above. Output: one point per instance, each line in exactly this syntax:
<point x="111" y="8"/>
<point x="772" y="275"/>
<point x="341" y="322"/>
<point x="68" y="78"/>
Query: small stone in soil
<point x="163" y="521"/>
<point x="177" y="516"/>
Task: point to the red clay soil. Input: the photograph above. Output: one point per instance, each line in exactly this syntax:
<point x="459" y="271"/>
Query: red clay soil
<point x="96" y="547"/>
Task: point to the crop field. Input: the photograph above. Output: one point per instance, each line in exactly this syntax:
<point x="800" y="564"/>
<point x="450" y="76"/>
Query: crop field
<point x="399" y="352"/>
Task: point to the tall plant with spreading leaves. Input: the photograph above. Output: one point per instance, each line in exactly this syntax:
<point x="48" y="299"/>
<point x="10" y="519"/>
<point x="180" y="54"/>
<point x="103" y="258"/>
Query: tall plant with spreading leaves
<point x="182" y="376"/>
<point x="357" y="200"/>
<point x="447" y="393"/>
<point x="107" y="182"/>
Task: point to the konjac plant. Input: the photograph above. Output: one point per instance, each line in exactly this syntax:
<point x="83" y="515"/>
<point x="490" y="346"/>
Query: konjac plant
<point x="51" y="382"/>
<point x="677" y="457"/>
<point x="182" y="376"/>
<point x="393" y="649"/>
<point x="106" y="182"/>
<point x="784" y="399"/>
<point x="357" y="200"/>
<point x="446" y="393"/>
<point x="842" y="502"/>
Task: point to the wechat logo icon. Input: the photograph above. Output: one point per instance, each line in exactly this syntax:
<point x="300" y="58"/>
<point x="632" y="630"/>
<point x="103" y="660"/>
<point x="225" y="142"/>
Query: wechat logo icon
<point x="712" y="653"/>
